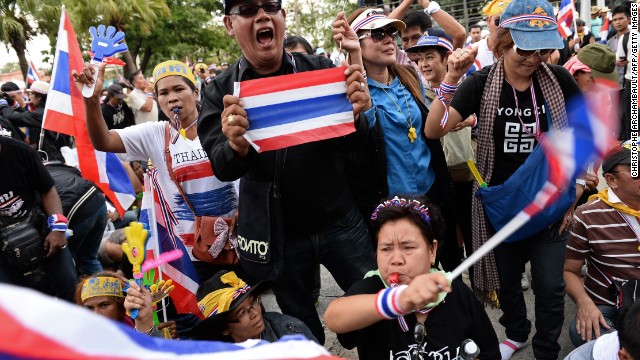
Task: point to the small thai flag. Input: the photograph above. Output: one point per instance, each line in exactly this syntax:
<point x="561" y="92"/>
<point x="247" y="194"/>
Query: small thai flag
<point x="32" y="74"/>
<point x="295" y="109"/>
<point x="565" y="18"/>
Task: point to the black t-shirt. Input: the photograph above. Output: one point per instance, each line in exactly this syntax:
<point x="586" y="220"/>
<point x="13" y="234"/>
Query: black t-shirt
<point x="118" y="118"/>
<point x="24" y="174"/>
<point x="513" y="135"/>
<point x="459" y="317"/>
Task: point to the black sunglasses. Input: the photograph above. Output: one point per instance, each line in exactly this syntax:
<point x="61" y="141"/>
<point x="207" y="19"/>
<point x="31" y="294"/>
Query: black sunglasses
<point x="378" y="35"/>
<point x="497" y="21"/>
<point x="419" y="332"/>
<point x="271" y="8"/>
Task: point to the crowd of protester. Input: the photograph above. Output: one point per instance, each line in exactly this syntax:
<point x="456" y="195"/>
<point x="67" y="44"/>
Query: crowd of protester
<point x="388" y="209"/>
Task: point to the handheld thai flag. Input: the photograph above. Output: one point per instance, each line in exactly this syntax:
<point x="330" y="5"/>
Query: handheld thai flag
<point x="587" y="138"/>
<point x="73" y="333"/>
<point x="295" y="109"/>
<point x="32" y="74"/>
<point x="565" y="18"/>
<point x="64" y="112"/>
<point x="157" y="214"/>
<point x="604" y="30"/>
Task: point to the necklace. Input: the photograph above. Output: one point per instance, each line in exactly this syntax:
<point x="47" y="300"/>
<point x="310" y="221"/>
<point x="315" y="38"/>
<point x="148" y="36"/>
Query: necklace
<point x="412" y="131"/>
<point x="183" y="131"/>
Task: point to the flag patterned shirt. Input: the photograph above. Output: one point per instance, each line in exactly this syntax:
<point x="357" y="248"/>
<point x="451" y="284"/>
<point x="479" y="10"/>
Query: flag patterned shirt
<point x="208" y="195"/>
<point x="605" y="238"/>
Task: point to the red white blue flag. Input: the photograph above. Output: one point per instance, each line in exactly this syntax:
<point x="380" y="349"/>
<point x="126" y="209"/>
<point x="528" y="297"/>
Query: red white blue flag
<point x="295" y="109"/>
<point x="157" y="214"/>
<point x="32" y="74"/>
<point x="565" y="18"/>
<point x="64" y="112"/>
<point x="35" y="326"/>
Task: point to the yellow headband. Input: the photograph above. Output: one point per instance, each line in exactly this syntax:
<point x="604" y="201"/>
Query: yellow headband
<point x="496" y="7"/>
<point x="101" y="286"/>
<point x="173" y="67"/>
<point x="220" y="300"/>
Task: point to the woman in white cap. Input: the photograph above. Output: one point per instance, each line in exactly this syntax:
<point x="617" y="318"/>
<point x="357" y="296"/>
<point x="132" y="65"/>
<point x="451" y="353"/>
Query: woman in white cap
<point x="516" y="99"/>
<point x="187" y="183"/>
<point x="397" y="157"/>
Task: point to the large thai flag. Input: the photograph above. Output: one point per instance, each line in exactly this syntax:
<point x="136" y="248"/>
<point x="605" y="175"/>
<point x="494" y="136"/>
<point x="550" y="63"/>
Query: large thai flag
<point x="565" y="18"/>
<point x="157" y="214"/>
<point x="32" y="74"/>
<point x="65" y="113"/>
<point x="294" y="109"/>
<point x="35" y="326"/>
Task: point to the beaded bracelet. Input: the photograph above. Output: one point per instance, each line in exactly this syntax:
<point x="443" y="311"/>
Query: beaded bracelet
<point x="387" y="302"/>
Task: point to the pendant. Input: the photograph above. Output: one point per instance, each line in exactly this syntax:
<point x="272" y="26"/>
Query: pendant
<point x="412" y="134"/>
<point x="183" y="133"/>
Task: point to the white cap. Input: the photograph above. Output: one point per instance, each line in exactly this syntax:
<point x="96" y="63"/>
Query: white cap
<point x="39" y="87"/>
<point x="375" y="19"/>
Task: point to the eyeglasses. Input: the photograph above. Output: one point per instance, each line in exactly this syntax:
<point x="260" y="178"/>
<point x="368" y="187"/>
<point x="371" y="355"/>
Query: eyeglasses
<point x="624" y="172"/>
<point x="419" y="333"/>
<point x="271" y="8"/>
<point x="529" y="53"/>
<point x="378" y="35"/>
<point x="254" y="304"/>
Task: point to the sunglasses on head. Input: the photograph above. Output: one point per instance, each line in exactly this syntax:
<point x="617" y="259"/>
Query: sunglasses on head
<point x="378" y="35"/>
<point x="271" y="8"/>
<point x="530" y="53"/>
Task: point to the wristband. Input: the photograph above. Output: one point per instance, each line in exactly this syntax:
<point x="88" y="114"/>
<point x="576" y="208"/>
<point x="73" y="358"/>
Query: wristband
<point x="58" y="222"/>
<point x="387" y="302"/>
<point x="3" y="102"/>
<point x="582" y="182"/>
<point x="150" y="94"/>
<point x="433" y="8"/>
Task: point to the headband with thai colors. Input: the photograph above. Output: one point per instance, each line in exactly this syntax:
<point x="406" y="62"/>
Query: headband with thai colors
<point x="413" y="205"/>
<point x="528" y="17"/>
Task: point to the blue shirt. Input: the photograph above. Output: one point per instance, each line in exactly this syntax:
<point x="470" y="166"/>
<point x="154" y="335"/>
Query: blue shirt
<point x="408" y="170"/>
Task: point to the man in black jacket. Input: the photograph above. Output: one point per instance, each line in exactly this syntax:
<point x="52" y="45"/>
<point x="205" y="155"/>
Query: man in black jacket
<point x="321" y="223"/>
<point x="84" y="206"/>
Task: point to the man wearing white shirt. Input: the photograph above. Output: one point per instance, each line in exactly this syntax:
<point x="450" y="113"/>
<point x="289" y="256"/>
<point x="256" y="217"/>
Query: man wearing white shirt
<point x="144" y="107"/>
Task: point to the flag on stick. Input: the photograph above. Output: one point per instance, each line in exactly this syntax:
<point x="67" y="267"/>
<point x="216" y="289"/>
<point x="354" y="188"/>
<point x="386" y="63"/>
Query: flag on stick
<point x="566" y="18"/>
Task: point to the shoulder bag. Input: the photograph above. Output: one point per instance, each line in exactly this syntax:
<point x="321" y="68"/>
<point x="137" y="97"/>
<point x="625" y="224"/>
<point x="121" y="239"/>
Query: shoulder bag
<point x="23" y="242"/>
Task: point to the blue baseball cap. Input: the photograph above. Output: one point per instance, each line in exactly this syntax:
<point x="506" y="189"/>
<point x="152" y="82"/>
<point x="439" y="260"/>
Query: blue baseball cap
<point x="432" y="38"/>
<point x="532" y="25"/>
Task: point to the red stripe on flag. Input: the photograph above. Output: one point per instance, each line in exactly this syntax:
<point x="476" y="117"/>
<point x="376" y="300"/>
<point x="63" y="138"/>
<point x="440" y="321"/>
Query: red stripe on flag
<point x="193" y="171"/>
<point x="292" y="81"/>
<point x="302" y="137"/>
<point x="60" y="122"/>
<point x="20" y="341"/>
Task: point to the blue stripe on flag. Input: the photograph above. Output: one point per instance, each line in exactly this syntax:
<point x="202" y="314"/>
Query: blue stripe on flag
<point x="286" y="113"/>
<point x="215" y="202"/>
<point x="62" y="83"/>
<point x="119" y="181"/>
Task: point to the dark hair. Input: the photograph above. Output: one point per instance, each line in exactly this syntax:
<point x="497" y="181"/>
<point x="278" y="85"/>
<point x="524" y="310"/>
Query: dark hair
<point x="419" y="19"/>
<point x="580" y="22"/>
<point x="42" y="97"/>
<point x="292" y="41"/>
<point x="503" y="42"/>
<point x="132" y="76"/>
<point x="621" y="9"/>
<point x="475" y="26"/>
<point x="9" y="86"/>
<point x="191" y="85"/>
<point x="432" y="231"/>
<point x="405" y="73"/>
<point x="628" y="329"/>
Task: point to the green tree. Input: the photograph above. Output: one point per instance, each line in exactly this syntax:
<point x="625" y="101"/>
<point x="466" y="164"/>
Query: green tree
<point x="9" y="67"/>
<point x="313" y="19"/>
<point x="131" y="16"/>
<point x="16" y="29"/>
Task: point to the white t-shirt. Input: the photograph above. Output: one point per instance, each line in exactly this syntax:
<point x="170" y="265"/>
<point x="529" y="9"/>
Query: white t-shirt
<point x="485" y="56"/>
<point x="208" y="195"/>
<point x="620" y="53"/>
<point x="138" y="98"/>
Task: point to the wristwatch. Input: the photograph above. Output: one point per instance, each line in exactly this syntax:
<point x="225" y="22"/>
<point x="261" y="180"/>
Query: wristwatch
<point x="582" y="182"/>
<point x="433" y="7"/>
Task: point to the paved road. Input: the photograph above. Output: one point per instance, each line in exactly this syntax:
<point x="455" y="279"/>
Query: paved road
<point x="330" y="291"/>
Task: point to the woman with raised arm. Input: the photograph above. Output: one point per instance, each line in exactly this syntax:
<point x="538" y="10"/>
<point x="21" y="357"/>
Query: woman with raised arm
<point x="185" y="177"/>
<point x="516" y="100"/>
